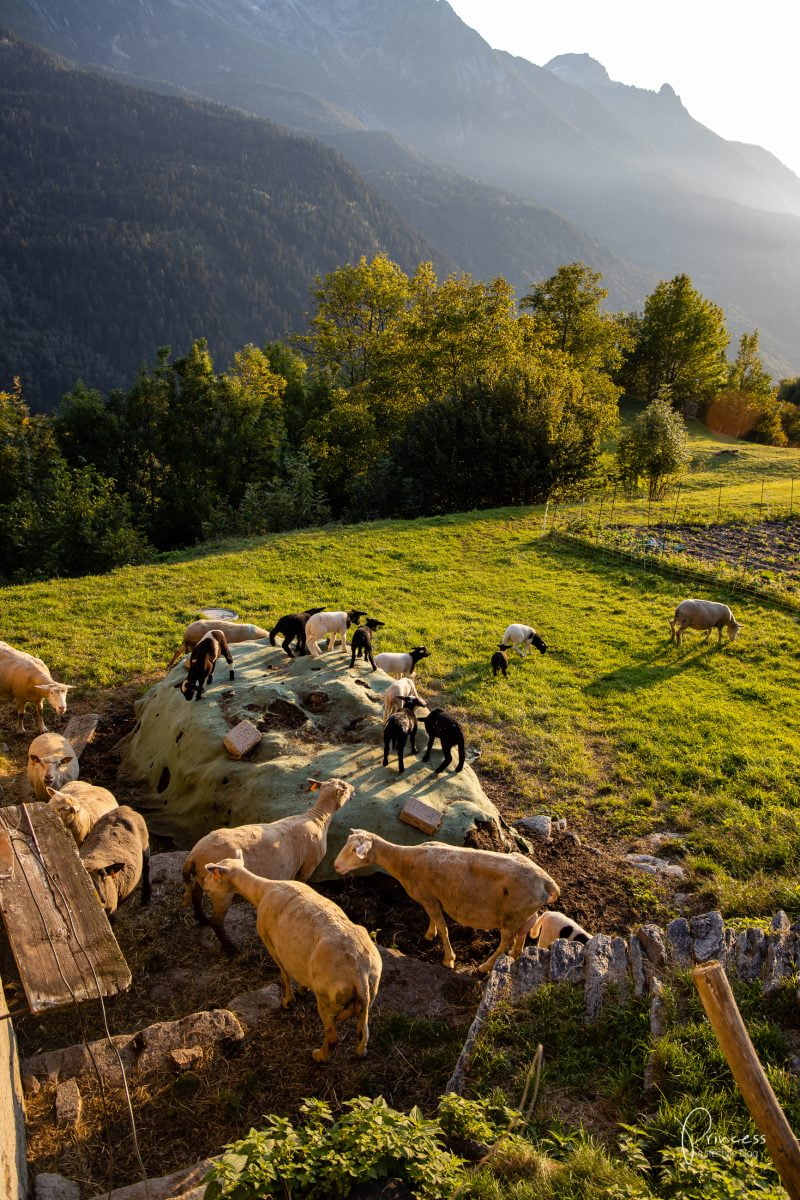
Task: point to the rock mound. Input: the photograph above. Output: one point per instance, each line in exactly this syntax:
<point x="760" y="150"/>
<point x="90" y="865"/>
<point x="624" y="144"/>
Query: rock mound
<point x="318" y="719"/>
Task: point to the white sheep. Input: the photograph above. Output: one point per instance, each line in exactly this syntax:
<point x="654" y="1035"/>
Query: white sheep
<point x="313" y="942"/>
<point x="80" y="806"/>
<point x="401" y="664"/>
<point x="291" y="848"/>
<point x="402" y="689"/>
<point x="703" y="615"/>
<point x="333" y="625"/>
<point x="552" y="925"/>
<point x="26" y="680"/>
<point x="479" y="888"/>
<point x="52" y="762"/>
<point x="235" y="632"/>
<point x="520" y="636"/>
<point x="117" y="855"/>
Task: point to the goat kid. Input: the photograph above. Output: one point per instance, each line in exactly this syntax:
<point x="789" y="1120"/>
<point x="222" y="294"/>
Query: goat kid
<point x="202" y="661"/>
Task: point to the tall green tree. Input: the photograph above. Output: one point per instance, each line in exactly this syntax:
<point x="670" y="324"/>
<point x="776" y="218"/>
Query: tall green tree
<point x="567" y="310"/>
<point x="746" y="374"/>
<point x="654" y="447"/>
<point x="679" y="351"/>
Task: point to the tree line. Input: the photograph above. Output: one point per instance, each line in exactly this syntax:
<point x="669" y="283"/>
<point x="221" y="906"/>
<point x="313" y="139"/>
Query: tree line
<point x="409" y="395"/>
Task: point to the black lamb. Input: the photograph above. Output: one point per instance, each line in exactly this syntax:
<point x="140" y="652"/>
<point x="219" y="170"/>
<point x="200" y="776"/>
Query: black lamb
<point x="361" y="641"/>
<point x="293" y="629"/>
<point x="449" y="732"/>
<point x="401" y="727"/>
<point x="202" y="661"/>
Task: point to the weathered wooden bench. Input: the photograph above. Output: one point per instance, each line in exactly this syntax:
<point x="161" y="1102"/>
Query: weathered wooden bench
<point x="60" y="937"/>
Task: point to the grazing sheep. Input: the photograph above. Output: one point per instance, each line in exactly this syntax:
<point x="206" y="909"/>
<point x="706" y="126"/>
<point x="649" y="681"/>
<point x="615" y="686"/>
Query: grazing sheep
<point x="500" y="659"/>
<point x="80" y="806"/>
<point x="312" y="942"/>
<point x="552" y="925"/>
<point x="291" y="848"/>
<point x="520" y="636"/>
<point x="235" y="632"/>
<point x="361" y="643"/>
<point x="449" y="732"/>
<point x="395" y="694"/>
<point x="26" y="680"/>
<point x="333" y="625"/>
<point x="401" y="664"/>
<point x="703" y="615"/>
<point x="117" y="855"/>
<point x="400" y="727"/>
<point x="479" y="888"/>
<point x="292" y="628"/>
<point x="202" y="661"/>
<point x="52" y="762"/>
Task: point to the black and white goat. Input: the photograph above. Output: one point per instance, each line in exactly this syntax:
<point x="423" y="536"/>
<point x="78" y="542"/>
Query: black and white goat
<point x="292" y="628"/>
<point x="202" y="661"/>
<point x="361" y="641"/>
<point x="449" y="732"/>
<point x="400" y="728"/>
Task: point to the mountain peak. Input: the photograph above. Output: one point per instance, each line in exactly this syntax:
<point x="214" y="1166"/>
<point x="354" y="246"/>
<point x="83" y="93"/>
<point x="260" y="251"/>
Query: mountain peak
<point x="579" y="69"/>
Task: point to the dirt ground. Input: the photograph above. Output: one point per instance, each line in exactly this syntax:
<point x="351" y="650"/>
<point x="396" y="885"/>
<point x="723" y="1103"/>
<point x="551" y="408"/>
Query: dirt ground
<point x="767" y="546"/>
<point x="178" y="969"/>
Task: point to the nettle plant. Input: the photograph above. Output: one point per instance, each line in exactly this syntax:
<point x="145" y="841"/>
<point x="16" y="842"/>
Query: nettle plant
<point x="324" y="1158"/>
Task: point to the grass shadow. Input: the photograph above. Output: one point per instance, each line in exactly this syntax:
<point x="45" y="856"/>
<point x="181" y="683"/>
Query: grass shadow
<point x="647" y="671"/>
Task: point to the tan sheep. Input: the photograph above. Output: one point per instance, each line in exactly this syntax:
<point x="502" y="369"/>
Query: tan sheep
<point x="235" y="631"/>
<point x="703" y="615"/>
<point x="26" y="680"/>
<point x="479" y="888"/>
<point x="313" y="942"/>
<point x="291" y="848"/>
<point x="80" y="806"/>
<point x="117" y="855"/>
<point x="52" y="762"/>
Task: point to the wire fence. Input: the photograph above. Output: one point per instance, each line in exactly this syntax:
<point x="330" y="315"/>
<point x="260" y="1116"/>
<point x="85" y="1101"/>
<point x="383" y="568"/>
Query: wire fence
<point x="734" y="538"/>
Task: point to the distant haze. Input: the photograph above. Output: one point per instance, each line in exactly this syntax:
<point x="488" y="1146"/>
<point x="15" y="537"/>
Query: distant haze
<point x="733" y="64"/>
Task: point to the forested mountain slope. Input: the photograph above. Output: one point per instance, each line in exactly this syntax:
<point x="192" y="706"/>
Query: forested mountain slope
<point x="133" y="220"/>
<point x="632" y="169"/>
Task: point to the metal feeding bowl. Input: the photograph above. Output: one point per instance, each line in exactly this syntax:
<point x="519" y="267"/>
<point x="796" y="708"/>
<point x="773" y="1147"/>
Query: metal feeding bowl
<point x="219" y="614"/>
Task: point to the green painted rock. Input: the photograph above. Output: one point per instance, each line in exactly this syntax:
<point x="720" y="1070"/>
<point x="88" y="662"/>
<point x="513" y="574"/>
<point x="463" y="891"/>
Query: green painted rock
<point x="319" y="719"/>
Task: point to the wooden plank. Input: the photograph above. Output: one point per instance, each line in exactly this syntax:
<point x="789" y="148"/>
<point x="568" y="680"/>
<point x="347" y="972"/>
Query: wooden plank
<point x="80" y="731"/>
<point x="59" y="901"/>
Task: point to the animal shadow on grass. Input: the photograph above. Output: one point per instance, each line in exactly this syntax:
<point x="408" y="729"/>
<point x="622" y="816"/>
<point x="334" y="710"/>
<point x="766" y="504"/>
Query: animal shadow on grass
<point x="654" y="669"/>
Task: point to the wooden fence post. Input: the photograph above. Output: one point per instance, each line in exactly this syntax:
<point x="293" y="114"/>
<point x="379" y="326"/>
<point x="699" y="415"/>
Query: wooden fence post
<point x="726" y="1021"/>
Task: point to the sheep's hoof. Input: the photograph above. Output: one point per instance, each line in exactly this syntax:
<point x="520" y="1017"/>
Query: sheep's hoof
<point x="449" y="963"/>
<point x="321" y="1056"/>
<point x="361" y="1051"/>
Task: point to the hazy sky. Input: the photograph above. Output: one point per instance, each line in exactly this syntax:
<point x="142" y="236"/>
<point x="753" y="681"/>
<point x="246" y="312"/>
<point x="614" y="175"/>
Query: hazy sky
<point x="733" y="64"/>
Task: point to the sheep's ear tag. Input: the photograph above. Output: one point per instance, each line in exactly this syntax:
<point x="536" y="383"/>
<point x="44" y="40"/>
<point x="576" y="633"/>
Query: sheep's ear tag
<point x="314" y="785"/>
<point x="115" y="869"/>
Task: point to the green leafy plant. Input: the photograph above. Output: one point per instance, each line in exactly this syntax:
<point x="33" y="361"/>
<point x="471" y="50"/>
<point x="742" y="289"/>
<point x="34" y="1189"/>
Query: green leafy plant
<point x="324" y="1158"/>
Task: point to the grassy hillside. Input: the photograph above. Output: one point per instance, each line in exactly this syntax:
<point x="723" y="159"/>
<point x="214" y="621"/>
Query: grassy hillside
<point x="613" y="727"/>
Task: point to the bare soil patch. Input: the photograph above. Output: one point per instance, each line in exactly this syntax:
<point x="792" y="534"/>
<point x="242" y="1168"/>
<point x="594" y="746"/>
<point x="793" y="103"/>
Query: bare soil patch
<point x="767" y="546"/>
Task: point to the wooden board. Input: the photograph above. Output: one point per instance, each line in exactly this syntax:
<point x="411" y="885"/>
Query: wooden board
<point x="80" y="731"/>
<point x="60" y="901"/>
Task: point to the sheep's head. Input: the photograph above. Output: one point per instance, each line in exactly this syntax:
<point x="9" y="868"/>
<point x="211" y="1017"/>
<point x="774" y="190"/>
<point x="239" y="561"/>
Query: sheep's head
<point x="64" y="805"/>
<point x="354" y="615"/>
<point x="55" y="694"/>
<point x="358" y="851"/>
<point x="187" y="688"/>
<point x="218" y="874"/>
<point x="106" y="885"/>
<point x="540" y="645"/>
<point x="411" y="703"/>
<point x="339" y="789"/>
<point x="420" y="652"/>
<point x="733" y="628"/>
<point x="373" y="623"/>
<point x="504" y="645"/>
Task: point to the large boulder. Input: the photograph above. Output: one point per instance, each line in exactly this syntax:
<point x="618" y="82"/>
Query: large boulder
<point x="318" y="719"/>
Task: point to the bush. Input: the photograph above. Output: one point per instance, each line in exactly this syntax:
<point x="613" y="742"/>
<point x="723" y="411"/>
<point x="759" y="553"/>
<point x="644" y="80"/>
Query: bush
<point x="654" y="447"/>
<point x="325" y="1158"/>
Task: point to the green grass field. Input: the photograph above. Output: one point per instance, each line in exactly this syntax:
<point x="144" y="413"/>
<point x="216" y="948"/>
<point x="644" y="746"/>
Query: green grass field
<point x="613" y="727"/>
